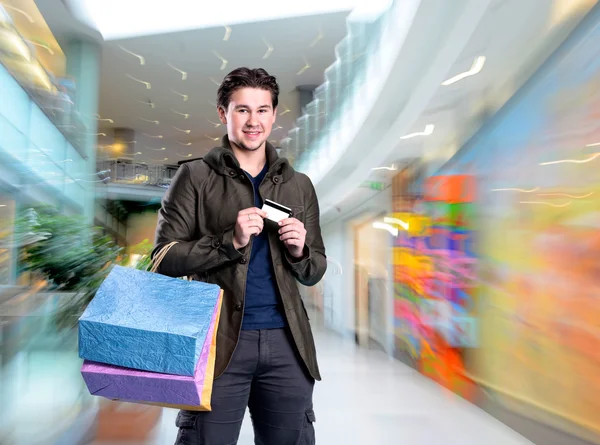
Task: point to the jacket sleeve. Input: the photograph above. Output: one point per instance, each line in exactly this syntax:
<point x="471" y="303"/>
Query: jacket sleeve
<point x="309" y="269"/>
<point x="178" y="221"/>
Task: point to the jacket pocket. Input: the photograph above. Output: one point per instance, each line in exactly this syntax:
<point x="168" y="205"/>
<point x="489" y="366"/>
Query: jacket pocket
<point x="186" y="420"/>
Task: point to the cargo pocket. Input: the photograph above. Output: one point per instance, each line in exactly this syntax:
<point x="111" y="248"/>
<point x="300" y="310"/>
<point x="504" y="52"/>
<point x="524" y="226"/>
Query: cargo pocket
<point x="188" y="431"/>
<point x="308" y="432"/>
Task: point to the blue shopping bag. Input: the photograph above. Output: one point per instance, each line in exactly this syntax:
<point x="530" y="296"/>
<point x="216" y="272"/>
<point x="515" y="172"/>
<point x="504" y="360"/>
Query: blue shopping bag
<point x="147" y="321"/>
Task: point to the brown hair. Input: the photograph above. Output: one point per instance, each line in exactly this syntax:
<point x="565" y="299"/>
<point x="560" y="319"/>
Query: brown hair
<point x="247" y="78"/>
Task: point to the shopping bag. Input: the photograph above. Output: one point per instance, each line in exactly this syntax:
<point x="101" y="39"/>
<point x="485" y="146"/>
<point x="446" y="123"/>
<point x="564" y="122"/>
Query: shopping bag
<point x="167" y="390"/>
<point x="147" y="321"/>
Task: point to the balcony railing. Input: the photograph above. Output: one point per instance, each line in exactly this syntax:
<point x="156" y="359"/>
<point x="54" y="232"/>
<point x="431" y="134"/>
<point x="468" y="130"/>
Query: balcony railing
<point x="127" y="171"/>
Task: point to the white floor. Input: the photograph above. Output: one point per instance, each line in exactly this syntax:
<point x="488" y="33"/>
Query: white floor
<point x="367" y="398"/>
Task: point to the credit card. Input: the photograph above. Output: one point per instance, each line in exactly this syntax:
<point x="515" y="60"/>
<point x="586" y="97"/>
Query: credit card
<point x="276" y="212"/>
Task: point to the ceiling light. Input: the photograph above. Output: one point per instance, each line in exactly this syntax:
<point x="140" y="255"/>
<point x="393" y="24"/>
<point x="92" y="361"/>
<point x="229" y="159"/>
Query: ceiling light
<point x="572" y="161"/>
<point x="140" y="58"/>
<point x="428" y="130"/>
<point x="392" y="168"/>
<point x="151" y="121"/>
<point x="160" y="136"/>
<point x="379" y="225"/>
<point x="227" y="33"/>
<point x="41" y="45"/>
<point x="317" y="39"/>
<point x="397" y="222"/>
<point x="595" y="144"/>
<point x="185" y="115"/>
<point x="183" y="73"/>
<point x="27" y="16"/>
<point x="475" y="69"/>
<point x="115" y="19"/>
<point x="224" y="61"/>
<point x="304" y="68"/>
<point x="183" y="131"/>
<point x="148" y="86"/>
<point x="270" y="49"/>
<point x="100" y="119"/>
<point x="185" y="97"/>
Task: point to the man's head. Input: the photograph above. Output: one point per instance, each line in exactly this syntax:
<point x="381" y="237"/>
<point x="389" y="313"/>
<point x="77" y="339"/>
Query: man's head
<point x="247" y="103"/>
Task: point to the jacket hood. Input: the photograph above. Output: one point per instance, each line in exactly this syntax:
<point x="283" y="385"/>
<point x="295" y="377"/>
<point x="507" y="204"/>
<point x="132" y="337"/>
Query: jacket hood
<point x="223" y="161"/>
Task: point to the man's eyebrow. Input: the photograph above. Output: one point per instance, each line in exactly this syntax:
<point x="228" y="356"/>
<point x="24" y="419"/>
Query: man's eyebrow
<point x="237" y="107"/>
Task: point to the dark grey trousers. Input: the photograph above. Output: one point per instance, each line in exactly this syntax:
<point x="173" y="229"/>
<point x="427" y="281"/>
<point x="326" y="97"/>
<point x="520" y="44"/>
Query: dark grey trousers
<point x="266" y="375"/>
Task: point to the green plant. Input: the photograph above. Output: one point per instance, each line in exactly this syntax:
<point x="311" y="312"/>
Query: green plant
<point x="73" y="256"/>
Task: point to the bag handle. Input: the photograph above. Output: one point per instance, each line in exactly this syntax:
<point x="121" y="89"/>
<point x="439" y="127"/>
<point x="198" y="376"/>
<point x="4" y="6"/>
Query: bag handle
<point x="160" y="255"/>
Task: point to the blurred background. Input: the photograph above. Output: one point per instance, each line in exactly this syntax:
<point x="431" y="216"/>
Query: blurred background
<point x="454" y="146"/>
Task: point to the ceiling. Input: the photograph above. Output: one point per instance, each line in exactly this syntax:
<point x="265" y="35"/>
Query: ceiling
<point x="297" y="51"/>
<point x="459" y="110"/>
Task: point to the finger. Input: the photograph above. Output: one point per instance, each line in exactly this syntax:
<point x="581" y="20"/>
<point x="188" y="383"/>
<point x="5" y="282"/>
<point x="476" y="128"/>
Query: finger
<point x="252" y="210"/>
<point x="292" y="228"/>
<point x="249" y="210"/>
<point x="249" y="223"/>
<point x="293" y="242"/>
<point x="295" y="236"/>
<point x="288" y="221"/>
<point x="249" y="218"/>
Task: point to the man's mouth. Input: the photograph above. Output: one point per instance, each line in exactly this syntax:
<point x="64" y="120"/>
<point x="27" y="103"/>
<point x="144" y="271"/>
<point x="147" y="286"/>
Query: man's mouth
<point x="252" y="134"/>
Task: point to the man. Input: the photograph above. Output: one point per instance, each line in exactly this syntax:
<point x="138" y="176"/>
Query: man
<point x="266" y="358"/>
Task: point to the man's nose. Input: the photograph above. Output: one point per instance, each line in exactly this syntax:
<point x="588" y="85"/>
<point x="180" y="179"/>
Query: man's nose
<point x="252" y="119"/>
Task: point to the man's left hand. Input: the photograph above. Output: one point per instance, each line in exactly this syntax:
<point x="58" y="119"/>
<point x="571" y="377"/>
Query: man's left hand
<point x="293" y="235"/>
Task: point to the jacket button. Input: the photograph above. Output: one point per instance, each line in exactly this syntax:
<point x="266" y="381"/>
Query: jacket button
<point x="242" y="177"/>
<point x="276" y="179"/>
<point x="238" y="307"/>
<point x="243" y="261"/>
<point x="217" y="244"/>
<point x="231" y="173"/>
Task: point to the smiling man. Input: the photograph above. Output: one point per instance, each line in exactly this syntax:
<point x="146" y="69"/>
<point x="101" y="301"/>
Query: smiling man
<point x="266" y="359"/>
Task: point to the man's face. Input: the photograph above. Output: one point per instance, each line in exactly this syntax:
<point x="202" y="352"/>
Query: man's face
<point x="249" y="118"/>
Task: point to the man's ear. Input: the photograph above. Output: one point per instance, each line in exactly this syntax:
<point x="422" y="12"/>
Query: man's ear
<point x="222" y="115"/>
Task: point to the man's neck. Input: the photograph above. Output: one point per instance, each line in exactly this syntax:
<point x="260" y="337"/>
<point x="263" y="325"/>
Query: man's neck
<point x="251" y="161"/>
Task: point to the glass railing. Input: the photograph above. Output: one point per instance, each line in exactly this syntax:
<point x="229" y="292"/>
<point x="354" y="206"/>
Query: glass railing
<point x="52" y="95"/>
<point x="128" y="171"/>
<point x="335" y="101"/>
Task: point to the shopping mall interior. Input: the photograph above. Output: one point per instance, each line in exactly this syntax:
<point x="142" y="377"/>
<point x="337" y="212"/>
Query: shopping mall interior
<point x="435" y="133"/>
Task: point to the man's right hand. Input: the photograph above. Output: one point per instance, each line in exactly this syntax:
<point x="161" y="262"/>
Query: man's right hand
<point x="249" y="222"/>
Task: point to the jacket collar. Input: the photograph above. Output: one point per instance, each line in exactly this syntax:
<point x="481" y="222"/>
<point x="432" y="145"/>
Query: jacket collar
<point x="223" y="161"/>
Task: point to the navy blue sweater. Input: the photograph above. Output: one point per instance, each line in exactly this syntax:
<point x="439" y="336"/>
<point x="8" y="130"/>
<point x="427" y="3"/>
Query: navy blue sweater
<point x="263" y="308"/>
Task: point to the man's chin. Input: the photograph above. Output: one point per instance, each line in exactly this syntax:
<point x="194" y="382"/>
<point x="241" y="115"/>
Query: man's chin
<point x="251" y="146"/>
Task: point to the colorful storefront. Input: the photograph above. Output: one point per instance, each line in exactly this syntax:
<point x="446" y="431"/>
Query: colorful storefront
<point x="496" y="282"/>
